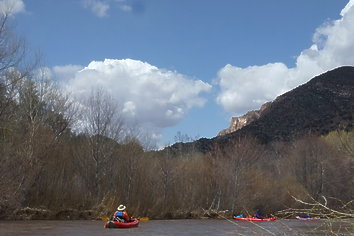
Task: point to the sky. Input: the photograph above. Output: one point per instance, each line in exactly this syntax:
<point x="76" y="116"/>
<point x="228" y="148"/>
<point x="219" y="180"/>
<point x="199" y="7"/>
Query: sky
<point x="186" y="66"/>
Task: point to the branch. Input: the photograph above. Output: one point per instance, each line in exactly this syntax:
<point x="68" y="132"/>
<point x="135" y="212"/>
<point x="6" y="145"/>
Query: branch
<point x="318" y="208"/>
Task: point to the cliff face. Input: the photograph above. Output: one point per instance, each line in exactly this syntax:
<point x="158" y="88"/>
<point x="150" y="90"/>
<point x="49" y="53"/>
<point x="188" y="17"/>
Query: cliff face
<point x="241" y="121"/>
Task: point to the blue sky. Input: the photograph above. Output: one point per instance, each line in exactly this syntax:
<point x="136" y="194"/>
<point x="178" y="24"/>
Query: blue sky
<point x="186" y="65"/>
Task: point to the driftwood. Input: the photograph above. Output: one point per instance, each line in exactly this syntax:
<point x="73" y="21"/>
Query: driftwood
<point x="214" y="213"/>
<point x="317" y="208"/>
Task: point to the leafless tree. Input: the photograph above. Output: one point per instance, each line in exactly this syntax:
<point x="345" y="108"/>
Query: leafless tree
<point x="343" y="140"/>
<point x="14" y="63"/>
<point x="102" y="122"/>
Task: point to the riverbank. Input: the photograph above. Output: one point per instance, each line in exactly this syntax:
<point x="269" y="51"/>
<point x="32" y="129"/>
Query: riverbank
<point x="29" y="213"/>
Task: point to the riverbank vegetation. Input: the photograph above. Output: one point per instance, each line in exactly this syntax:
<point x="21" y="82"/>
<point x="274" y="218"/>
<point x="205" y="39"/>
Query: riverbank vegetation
<point x="50" y="169"/>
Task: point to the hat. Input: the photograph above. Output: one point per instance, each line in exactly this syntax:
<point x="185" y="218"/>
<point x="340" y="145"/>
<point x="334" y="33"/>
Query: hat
<point x="121" y="208"/>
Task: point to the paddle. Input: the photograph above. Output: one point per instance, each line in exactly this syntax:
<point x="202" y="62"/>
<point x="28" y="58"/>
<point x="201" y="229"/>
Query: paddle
<point x="144" y="219"/>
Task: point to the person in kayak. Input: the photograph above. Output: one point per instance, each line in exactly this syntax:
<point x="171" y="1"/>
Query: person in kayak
<point x="121" y="214"/>
<point x="258" y="214"/>
<point x="308" y="216"/>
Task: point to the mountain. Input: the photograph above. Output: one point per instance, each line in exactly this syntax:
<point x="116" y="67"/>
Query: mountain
<point x="323" y="104"/>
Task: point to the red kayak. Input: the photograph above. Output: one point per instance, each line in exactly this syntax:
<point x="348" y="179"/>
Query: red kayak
<point x="254" y="218"/>
<point x="307" y="218"/>
<point x="117" y="224"/>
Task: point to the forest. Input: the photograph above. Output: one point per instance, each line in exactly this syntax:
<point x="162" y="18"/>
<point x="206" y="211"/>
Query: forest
<point x="60" y="160"/>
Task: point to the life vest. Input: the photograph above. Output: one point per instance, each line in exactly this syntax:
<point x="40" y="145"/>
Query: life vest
<point x="122" y="216"/>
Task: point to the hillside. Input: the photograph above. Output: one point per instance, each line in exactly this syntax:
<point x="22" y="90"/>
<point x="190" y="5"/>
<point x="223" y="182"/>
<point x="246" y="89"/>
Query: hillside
<point x="323" y="104"/>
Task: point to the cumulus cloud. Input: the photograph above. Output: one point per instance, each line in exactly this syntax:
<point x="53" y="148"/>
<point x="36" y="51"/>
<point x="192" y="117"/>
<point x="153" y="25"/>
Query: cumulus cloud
<point x="11" y="7"/>
<point x="244" y="89"/>
<point x="146" y="94"/>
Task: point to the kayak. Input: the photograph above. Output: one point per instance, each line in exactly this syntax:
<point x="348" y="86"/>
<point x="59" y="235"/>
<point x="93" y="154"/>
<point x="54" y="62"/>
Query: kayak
<point x="254" y="218"/>
<point x="307" y="218"/>
<point x="117" y="224"/>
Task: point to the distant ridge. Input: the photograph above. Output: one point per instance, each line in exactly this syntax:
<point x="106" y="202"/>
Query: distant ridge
<point x="323" y="104"/>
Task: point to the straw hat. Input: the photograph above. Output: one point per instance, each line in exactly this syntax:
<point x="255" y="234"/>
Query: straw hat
<point x="121" y="208"/>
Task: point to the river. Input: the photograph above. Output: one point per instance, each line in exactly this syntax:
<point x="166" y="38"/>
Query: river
<point x="179" y="227"/>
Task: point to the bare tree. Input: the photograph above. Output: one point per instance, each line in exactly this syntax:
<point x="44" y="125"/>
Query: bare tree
<point x="61" y="111"/>
<point x="315" y="165"/>
<point x="343" y="140"/>
<point x="138" y="133"/>
<point x="103" y="123"/>
<point x="14" y="65"/>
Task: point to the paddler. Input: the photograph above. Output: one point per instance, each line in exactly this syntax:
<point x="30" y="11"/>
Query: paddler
<point x="121" y="214"/>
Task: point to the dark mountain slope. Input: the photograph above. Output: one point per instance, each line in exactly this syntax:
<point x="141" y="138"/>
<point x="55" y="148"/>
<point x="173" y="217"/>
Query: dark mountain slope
<point x="323" y="104"/>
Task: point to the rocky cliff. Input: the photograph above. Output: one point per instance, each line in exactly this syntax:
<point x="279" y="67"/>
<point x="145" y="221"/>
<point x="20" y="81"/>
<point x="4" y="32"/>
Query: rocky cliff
<point x="241" y="121"/>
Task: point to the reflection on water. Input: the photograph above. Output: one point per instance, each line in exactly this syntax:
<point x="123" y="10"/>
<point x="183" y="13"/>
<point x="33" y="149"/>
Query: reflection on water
<point x="180" y="227"/>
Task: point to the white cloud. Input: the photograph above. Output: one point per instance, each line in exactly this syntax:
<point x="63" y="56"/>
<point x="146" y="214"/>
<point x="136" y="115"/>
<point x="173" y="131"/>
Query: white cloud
<point x="253" y="85"/>
<point x="11" y="7"/>
<point x="98" y="7"/>
<point x="147" y="95"/>
<point x="66" y="73"/>
<point x="244" y="89"/>
<point x="101" y="7"/>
